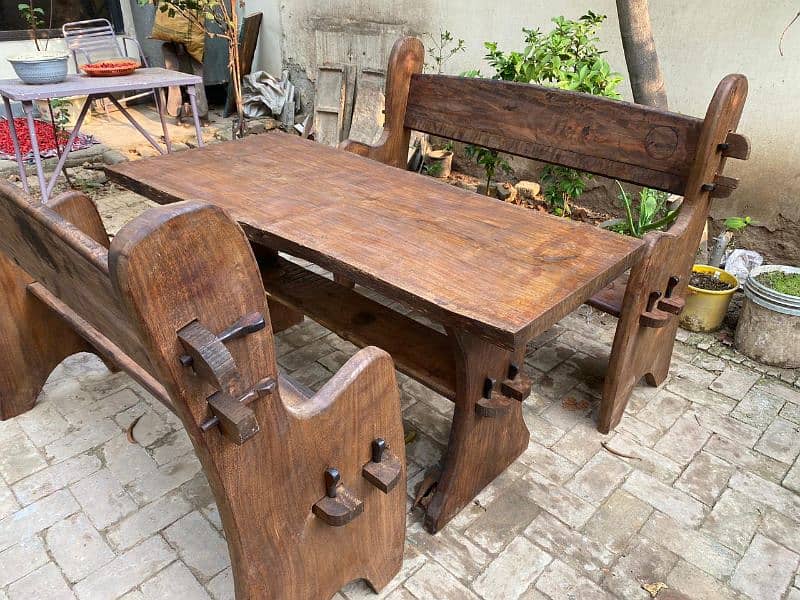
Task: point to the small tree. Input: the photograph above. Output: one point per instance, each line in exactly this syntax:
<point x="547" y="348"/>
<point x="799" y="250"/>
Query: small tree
<point x="567" y="57"/>
<point x="204" y="12"/>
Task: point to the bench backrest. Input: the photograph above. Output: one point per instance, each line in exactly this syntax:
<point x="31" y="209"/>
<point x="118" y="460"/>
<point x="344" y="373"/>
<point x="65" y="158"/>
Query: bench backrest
<point x="67" y="261"/>
<point x="630" y="142"/>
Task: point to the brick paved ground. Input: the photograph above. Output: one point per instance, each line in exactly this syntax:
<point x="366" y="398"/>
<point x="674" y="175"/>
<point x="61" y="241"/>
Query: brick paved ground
<point x="709" y="504"/>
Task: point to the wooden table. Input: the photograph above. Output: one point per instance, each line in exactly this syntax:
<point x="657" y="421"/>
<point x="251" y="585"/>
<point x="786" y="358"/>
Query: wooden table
<point x="494" y="275"/>
<point x="93" y="88"/>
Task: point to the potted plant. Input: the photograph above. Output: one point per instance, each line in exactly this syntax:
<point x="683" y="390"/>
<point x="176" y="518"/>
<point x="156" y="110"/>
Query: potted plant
<point x="769" y="324"/>
<point x="707" y="298"/>
<point x="43" y="65"/>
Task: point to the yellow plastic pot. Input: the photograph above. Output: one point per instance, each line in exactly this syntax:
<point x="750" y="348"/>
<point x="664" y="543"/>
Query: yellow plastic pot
<point x="705" y="309"/>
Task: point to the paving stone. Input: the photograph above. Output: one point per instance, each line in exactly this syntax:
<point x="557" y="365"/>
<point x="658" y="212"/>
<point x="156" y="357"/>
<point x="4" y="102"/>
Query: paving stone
<point x="43" y="424"/>
<point x="705" y="477"/>
<point x="672" y="502"/>
<point x="547" y="463"/>
<point x="781" y="529"/>
<point x="550" y="355"/>
<point x="424" y="451"/>
<point x="781" y="390"/>
<point x="693" y="546"/>
<point x="452" y="550"/>
<point x="510" y="574"/>
<point x="780" y="441"/>
<point x="77" y="547"/>
<point x="617" y="520"/>
<point x="221" y="587"/>
<point x="48" y="480"/>
<point x="580" y="443"/>
<point x="35" y="517"/>
<point x="102" y="498"/>
<point x="682" y="370"/>
<point x="663" y="409"/>
<point x="791" y="412"/>
<point x="150" y="426"/>
<point x="557" y="501"/>
<point x="45" y="582"/>
<point x="699" y="394"/>
<point x="126" y="571"/>
<point x="758" y="408"/>
<point x="67" y="396"/>
<point x="166" y="478"/>
<point x="305" y="355"/>
<point x="424" y="394"/>
<point x="8" y="503"/>
<point x="697" y="584"/>
<point x="598" y="478"/>
<point x="735" y="382"/>
<point x="766" y="492"/>
<point x="432" y="581"/>
<point x="85" y="438"/>
<point x="747" y="459"/>
<point x="174" y="583"/>
<point x="683" y="440"/>
<point x="199" y="545"/>
<point x="725" y="426"/>
<point x="503" y="519"/>
<point x="644" y="561"/>
<point x="312" y="376"/>
<point x="19" y="459"/>
<point x="645" y="459"/>
<point x="555" y="385"/>
<point x="9" y="429"/>
<point x="148" y="520"/>
<point x="20" y="559"/>
<point x="733" y="520"/>
<point x="766" y="570"/>
<point x="562" y="581"/>
<point x="127" y="461"/>
<point x="792" y="479"/>
<point x="557" y="539"/>
<point x="413" y="560"/>
<point x="542" y="431"/>
<point x="432" y="424"/>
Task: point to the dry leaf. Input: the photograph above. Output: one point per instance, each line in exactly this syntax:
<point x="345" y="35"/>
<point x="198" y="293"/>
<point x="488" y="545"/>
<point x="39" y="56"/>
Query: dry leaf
<point x="654" y="588"/>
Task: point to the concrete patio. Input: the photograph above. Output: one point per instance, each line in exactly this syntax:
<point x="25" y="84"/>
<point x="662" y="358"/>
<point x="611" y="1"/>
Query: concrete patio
<point x="698" y="488"/>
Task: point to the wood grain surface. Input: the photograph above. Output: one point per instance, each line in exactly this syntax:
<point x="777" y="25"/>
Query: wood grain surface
<point x="500" y="271"/>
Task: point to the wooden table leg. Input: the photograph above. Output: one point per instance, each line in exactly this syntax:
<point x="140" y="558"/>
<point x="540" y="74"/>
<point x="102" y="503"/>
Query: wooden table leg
<point x="282" y="316"/>
<point x="481" y="447"/>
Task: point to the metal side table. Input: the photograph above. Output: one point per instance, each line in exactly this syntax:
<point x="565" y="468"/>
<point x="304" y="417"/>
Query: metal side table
<point x="93" y="88"/>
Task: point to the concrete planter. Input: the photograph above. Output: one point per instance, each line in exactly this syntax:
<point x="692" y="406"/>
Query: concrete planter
<point x="769" y="325"/>
<point x="439" y="163"/>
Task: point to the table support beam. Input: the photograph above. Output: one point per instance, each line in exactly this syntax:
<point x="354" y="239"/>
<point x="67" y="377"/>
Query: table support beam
<point x="23" y="177"/>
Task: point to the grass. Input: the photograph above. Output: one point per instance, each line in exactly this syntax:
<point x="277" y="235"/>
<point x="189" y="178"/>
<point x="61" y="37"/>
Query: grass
<point x="785" y="283"/>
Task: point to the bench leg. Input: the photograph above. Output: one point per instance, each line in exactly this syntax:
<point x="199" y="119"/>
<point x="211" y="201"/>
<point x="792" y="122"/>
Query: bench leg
<point x="33" y="341"/>
<point x="480" y="447"/>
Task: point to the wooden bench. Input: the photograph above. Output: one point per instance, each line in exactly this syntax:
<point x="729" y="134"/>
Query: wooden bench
<point x="636" y="144"/>
<point x="310" y="487"/>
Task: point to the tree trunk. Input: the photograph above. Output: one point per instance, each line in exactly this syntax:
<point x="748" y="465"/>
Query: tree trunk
<point x="647" y="81"/>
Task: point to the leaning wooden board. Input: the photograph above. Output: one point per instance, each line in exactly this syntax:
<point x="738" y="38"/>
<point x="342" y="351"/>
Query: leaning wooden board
<point x="497" y="270"/>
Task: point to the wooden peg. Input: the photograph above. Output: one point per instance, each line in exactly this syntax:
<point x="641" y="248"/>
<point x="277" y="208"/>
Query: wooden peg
<point x="517" y="385"/>
<point x="653" y="317"/>
<point x="492" y="404"/>
<point x="210" y="358"/>
<point x="236" y="421"/>
<point x="261" y="389"/>
<point x="669" y="303"/>
<point x="736" y="145"/>
<point x="724" y="186"/>
<point x="383" y="471"/>
<point x="245" y="326"/>
<point x="339" y="506"/>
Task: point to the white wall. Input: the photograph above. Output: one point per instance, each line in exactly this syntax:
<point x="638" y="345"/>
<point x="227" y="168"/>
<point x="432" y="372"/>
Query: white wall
<point x="698" y="43"/>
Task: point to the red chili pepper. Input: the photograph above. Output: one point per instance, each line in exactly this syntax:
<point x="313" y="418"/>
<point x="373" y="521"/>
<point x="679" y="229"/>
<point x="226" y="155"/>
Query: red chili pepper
<point x="44" y="135"/>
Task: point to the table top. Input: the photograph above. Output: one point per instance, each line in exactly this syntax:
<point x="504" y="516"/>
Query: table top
<point x="498" y="270"/>
<point x="81" y="85"/>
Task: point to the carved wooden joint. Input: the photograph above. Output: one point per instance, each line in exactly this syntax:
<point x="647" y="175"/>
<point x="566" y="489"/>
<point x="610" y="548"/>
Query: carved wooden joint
<point x="670" y="303"/>
<point x="383" y="470"/>
<point x="517" y="385"/>
<point x="236" y="421"/>
<point x="492" y="403"/>
<point x="736" y="145"/>
<point x="339" y="506"/>
<point x="723" y="186"/>
<point x="653" y="317"/>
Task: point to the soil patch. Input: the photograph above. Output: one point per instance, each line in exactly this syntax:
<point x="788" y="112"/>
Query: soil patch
<point x="704" y="281"/>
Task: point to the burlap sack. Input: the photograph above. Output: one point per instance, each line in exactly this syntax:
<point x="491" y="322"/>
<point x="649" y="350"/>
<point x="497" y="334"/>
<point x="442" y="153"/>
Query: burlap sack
<point x="179" y="29"/>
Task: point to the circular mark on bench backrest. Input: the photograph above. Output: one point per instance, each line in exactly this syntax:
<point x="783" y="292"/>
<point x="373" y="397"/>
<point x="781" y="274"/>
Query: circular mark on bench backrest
<point x="661" y="142"/>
